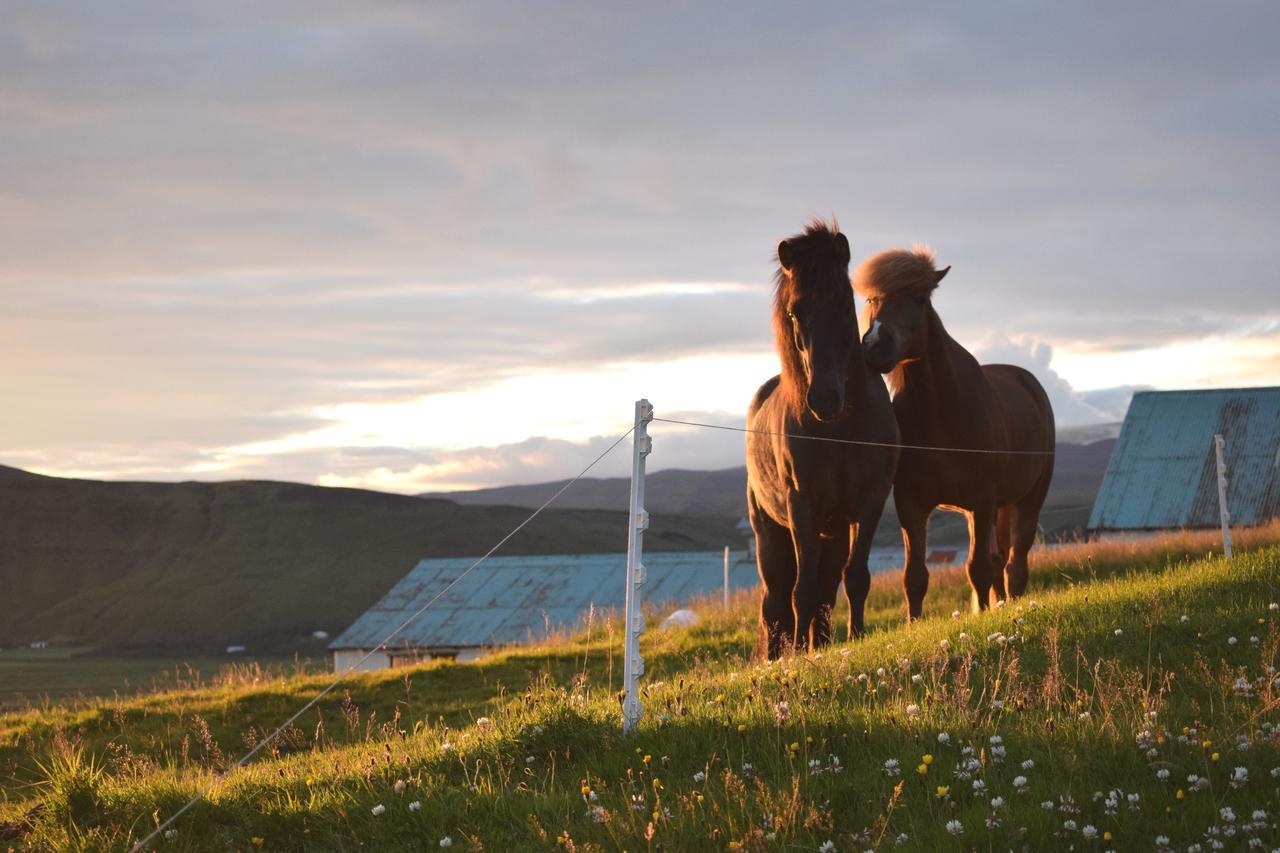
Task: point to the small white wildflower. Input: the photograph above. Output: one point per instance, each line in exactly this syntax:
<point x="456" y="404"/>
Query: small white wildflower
<point x="415" y="806"/>
<point x="1227" y="814"/>
<point x="944" y="738"/>
<point x="1163" y="840"/>
<point x="1239" y="777"/>
<point x="913" y="710"/>
<point x="955" y="614"/>
<point x="1089" y="831"/>
<point x="1019" y="782"/>
<point x="171" y="834"/>
<point x="379" y="809"/>
<point x="398" y="787"/>
<point x="1273" y="606"/>
<point x="880" y="672"/>
<point x="699" y="777"/>
<point x="997" y="704"/>
<point x="1184" y="618"/>
<point x="1029" y="764"/>
<point x="447" y="841"/>
<point x="1118" y="632"/>
<point x="828" y="846"/>
<point x="483" y="721"/>
<point x="1231" y="641"/>
<point x="891" y="768"/>
<point x="917" y="678"/>
<point x="1047" y="805"/>
<point x="902" y="839"/>
<point x="944" y="644"/>
<point x="1163" y="774"/>
<point x="963" y="636"/>
<point x="1069" y="825"/>
<point x="997" y="802"/>
<point x="979" y="787"/>
<point x="446" y="747"/>
<point x="955" y="827"/>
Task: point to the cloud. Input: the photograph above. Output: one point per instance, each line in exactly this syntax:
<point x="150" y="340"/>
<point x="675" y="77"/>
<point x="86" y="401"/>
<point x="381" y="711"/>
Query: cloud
<point x="1070" y="407"/>
<point x="220" y="222"/>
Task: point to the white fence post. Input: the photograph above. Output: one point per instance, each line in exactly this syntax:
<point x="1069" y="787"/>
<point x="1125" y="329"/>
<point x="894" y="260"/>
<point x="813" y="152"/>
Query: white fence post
<point x="1222" y="496"/>
<point x="726" y="578"/>
<point x="632" y="663"/>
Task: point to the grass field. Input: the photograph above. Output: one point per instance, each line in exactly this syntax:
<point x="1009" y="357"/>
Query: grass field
<point x="1130" y="701"/>
<point x="37" y="677"/>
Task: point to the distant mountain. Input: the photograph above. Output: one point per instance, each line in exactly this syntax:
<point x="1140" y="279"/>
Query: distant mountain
<point x="197" y="566"/>
<point x="1078" y="470"/>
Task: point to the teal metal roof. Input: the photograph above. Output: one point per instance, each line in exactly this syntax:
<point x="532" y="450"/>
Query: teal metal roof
<point x="517" y="599"/>
<point x="1163" y="475"/>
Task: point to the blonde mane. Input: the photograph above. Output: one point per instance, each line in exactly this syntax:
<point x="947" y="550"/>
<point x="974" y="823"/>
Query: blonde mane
<point x="895" y="270"/>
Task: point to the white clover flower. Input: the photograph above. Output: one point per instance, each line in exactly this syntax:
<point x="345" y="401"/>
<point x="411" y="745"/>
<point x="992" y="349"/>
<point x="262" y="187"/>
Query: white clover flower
<point x="699" y="776"/>
<point x="902" y="839"/>
<point x="1118" y="632"/>
<point x="979" y="787"/>
<point x="1069" y="825"/>
<point x="447" y="841"/>
<point x="880" y="672"/>
<point x="955" y="827"/>
<point x="828" y="846"/>
<point x="415" y="806"/>
<point x="1029" y="764"/>
<point x="379" y="809"/>
<point x="944" y="644"/>
<point x="1227" y="814"/>
<point x="1183" y="618"/>
<point x="891" y="768"/>
<point x="944" y="738"/>
<point x="1163" y="774"/>
<point x="963" y="636"/>
<point x="997" y="802"/>
<point x="1162" y="841"/>
<point x="997" y="704"/>
<point x="483" y="721"/>
<point x="1089" y="831"/>
<point x="1047" y="805"/>
<point x="1273" y="606"/>
<point x="170" y="834"/>
<point x="1231" y="641"/>
<point x="955" y="614"/>
<point x="1019" y="782"/>
<point x="917" y="678"/>
<point x="446" y="747"/>
<point x="1239" y="777"/>
<point x="913" y="710"/>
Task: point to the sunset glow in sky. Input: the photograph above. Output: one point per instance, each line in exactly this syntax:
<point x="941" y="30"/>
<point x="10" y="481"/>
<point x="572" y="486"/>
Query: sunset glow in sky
<point x="424" y="247"/>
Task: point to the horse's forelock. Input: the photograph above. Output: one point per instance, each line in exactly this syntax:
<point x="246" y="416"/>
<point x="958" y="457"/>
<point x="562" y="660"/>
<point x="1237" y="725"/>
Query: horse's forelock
<point x="896" y="270"/>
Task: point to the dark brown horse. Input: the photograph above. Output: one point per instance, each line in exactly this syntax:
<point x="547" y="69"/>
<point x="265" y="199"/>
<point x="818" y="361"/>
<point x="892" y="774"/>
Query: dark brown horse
<point x="814" y="505"/>
<point x="943" y="398"/>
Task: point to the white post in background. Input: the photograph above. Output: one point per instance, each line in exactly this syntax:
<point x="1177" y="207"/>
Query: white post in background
<point x="1222" y="496"/>
<point x="726" y="578"/>
<point x="632" y="663"/>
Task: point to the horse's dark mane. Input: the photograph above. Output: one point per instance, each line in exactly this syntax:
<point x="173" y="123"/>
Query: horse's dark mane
<point x="815" y="246"/>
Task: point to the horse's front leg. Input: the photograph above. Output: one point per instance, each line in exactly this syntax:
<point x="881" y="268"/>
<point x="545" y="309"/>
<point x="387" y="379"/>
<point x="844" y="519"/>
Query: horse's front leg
<point x="981" y="530"/>
<point x="914" y="518"/>
<point x="835" y="556"/>
<point x="806" y="595"/>
<point x="857" y="574"/>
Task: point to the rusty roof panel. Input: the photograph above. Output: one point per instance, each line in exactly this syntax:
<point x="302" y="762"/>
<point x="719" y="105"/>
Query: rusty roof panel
<point x="1163" y="475"/>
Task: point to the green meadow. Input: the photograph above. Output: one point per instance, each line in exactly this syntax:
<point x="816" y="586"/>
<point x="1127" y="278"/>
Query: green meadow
<point x="1130" y="701"/>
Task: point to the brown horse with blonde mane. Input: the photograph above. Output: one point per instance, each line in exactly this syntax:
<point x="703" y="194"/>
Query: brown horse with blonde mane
<point x="943" y="398"/>
<point x="814" y="504"/>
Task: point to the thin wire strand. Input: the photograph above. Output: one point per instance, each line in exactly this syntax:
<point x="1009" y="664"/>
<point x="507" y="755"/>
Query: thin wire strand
<point x="353" y="667"/>
<point x="854" y="441"/>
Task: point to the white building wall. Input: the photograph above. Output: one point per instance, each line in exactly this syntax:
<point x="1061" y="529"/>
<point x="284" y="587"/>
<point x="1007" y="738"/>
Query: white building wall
<point x="344" y="658"/>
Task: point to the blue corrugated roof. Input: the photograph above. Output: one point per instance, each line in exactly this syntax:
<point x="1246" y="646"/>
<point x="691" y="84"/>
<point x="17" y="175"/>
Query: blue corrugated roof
<point x="1162" y="473"/>
<point x="516" y="599"/>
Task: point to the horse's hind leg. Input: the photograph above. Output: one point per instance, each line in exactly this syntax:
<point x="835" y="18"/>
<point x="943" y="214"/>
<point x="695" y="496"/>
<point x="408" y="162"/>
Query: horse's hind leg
<point x="981" y="527"/>
<point x="1001" y="538"/>
<point x="1025" y="522"/>
<point x="857" y="575"/>
<point x="776" y="561"/>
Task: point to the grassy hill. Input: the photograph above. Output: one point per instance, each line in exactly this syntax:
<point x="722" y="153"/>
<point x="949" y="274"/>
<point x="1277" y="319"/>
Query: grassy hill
<point x="193" y="567"/>
<point x="1129" y="702"/>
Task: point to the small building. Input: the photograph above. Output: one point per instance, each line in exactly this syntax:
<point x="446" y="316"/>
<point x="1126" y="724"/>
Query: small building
<point x="1163" y="472"/>
<point x="509" y="600"/>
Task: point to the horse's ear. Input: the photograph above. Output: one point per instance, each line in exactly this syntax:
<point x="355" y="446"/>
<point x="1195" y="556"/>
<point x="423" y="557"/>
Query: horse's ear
<point x="941" y="274"/>
<point x="785" y="255"/>
<point x="842" y="246"/>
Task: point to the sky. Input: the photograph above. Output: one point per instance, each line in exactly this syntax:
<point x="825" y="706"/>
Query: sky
<point x="421" y="247"/>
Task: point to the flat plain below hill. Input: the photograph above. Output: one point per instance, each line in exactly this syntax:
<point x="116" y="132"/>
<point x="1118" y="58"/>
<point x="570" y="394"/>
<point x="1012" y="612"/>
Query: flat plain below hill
<point x="189" y="568"/>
